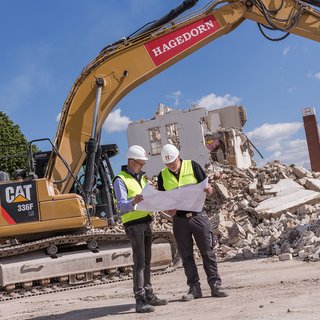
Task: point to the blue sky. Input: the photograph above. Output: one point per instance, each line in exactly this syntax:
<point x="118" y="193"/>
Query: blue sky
<point x="45" y="44"/>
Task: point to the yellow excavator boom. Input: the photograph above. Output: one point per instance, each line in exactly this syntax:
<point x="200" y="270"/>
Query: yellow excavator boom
<point x="120" y="68"/>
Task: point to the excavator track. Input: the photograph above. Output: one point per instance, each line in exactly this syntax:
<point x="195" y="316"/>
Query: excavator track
<point x="61" y="240"/>
<point x="73" y="239"/>
<point x="55" y="286"/>
<point x="27" y="269"/>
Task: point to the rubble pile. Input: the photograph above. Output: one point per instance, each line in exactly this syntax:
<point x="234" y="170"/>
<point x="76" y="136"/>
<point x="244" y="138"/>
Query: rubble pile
<point x="269" y="211"/>
<point x="273" y="210"/>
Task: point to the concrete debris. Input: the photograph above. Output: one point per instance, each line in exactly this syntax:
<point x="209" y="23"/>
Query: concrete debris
<point x="312" y="184"/>
<point x="289" y="202"/>
<point x="301" y="172"/>
<point x="223" y="191"/>
<point x="285" y="256"/>
<point x="268" y="211"/>
<point x="259" y="212"/>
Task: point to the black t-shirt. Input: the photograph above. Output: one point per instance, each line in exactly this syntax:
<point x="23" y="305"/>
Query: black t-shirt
<point x="199" y="174"/>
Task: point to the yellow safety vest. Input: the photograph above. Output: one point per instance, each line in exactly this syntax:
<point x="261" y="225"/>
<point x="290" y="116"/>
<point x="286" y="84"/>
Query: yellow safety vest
<point x="133" y="188"/>
<point x="186" y="176"/>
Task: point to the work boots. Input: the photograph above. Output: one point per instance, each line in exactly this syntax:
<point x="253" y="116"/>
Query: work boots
<point x="153" y="300"/>
<point x="217" y="291"/>
<point x="193" y="293"/>
<point x="142" y="306"/>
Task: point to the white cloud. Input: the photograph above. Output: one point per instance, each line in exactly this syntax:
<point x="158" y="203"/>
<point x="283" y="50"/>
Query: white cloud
<point x="116" y="122"/>
<point x="273" y="147"/>
<point x="269" y="134"/>
<point x="276" y="142"/>
<point x="313" y="75"/>
<point x="211" y="101"/>
<point x="291" y="89"/>
<point x="175" y="95"/>
<point x="58" y="116"/>
<point x="291" y="152"/>
<point x="286" y="51"/>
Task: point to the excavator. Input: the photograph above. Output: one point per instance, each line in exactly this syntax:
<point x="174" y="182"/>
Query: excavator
<point x="57" y="224"/>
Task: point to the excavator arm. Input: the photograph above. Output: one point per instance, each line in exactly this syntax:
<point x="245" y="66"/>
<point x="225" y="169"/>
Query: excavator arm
<point x="121" y="67"/>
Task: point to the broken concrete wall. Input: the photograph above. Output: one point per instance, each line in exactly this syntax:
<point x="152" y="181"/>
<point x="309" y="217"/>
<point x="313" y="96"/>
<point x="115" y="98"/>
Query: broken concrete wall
<point x="189" y="131"/>
<point x="229" y="146"/>
<point x="229" y="117"/>
<point x="197" y="133"/>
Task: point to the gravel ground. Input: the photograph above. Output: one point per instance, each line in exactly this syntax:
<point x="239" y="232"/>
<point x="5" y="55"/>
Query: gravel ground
<point x="258" y="289"/>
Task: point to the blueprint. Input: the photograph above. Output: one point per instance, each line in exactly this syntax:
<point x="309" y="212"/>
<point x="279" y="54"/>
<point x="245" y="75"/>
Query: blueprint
<point x="188" y="198"/>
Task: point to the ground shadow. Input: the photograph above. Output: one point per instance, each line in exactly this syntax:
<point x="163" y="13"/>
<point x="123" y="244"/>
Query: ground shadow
<point x="91" y="313"/>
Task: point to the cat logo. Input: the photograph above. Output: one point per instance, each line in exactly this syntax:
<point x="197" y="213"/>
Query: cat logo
<point x="20" y="193"/>
<point x="19" y="202"/>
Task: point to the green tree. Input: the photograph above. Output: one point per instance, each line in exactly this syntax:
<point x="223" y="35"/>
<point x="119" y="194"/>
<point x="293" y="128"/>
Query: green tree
<point x="13" y="146"/>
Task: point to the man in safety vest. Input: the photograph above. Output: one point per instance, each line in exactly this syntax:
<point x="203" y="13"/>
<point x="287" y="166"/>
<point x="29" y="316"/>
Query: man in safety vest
<point x="188" y="225"/>
<point x="128" y="185"/>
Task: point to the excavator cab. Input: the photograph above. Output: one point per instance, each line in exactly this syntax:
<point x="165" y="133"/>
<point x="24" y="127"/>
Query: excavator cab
<point x="30" y="202"/>
<point x="102" y="191"/>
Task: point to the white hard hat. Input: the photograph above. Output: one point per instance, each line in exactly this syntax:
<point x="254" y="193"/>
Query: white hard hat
<point x="136" y="152"/>
<point x="169" y="153"/>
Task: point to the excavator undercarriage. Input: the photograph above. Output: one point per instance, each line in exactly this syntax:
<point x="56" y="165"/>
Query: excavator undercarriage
<point x="72" y="260"/>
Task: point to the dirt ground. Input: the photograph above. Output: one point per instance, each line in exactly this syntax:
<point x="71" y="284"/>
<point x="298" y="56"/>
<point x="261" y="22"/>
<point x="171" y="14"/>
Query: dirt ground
<point x="258" y="289"/>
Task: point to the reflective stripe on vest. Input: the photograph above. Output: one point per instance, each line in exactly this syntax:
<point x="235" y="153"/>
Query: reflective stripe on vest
<point x="133" y="188"/>
<point x="186" y="176"/>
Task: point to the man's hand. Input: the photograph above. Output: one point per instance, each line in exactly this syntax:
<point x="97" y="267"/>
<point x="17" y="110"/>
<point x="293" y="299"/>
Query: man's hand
<point x="138" y="198"/>
<point x="208" y="190"/>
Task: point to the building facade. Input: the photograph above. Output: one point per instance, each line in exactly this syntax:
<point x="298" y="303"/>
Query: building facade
<point x="199" y="134"/>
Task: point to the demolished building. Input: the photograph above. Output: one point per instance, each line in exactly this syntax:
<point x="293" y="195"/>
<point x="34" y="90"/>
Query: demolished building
<point x="200" y="134"/>
<point x="253" y="212"/>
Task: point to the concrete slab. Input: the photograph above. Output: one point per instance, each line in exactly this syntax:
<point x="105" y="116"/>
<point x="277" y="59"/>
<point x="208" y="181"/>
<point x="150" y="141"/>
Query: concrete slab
<point x="289" y="196"/>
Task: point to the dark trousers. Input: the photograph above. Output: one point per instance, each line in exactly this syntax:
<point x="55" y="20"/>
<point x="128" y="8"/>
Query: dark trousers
<point x="140" y="236"/>
<point x="198" y="227"/>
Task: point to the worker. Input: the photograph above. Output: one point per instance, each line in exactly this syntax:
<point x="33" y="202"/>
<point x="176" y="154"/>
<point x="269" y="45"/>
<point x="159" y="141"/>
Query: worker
<point x="128" y="185"/>
<point x="188" y="225"/>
